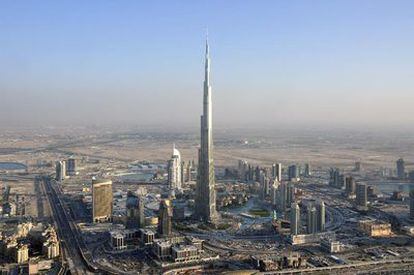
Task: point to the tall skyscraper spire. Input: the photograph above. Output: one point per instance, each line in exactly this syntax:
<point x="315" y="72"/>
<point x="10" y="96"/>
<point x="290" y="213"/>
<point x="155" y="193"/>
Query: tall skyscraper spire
<point x="205" y="192"/>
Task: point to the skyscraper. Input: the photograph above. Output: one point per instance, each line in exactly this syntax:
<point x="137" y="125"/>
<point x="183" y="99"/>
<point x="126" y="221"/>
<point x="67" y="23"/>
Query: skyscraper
<point x="102" y="200"/>
<point x="205" y="201"/>
<point x="294" y="219"/>
<point x="71" y="169"/>
<point x="412" y="204"/>
<point x="320" y="216"/>
<point x="400" y="169"/>
<point x="293" y="172"/>
<point x="361" y="195"/>
<point x="312" y="219"/>
<point x="165" y="218"/>
<point x="135" y="210"/>
<point x="60" y="170"/>
<point x="277" y="171"/>
<point x="174" y="170"/>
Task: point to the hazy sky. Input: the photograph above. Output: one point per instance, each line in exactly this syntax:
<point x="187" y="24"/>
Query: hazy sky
<point x="273" y="62"/>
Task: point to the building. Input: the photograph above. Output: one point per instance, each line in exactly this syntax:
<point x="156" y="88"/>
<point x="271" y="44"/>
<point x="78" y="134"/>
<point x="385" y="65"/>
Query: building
<point x="290" y="193"/>
<point x="162" y="249"/>
<point x="174" y="170"/>
<point x="102" y="200"/>
<point x="357" y="166"/>
<point x="375" y="228"/>
<point x="117" y="240"/>
<point x="320" y="216"/>
<point x="412" y="204"/>
<point x="60" y="170"/>
<point x="147" y="236"/>
<point x="165" y="218"/>
<point x="361" y="195"/>
<point x="135" y="210"/>
<point x="307" y="170"/>
<point x="331" y="246"/>
<point x="282" y="201"/>
<point x="294" y="219"/>
<point x="293" y="173"/>
<point x="400" y="169"/>
<point x="71" y="168"/>
<point x="205" y="200"/>
<point x="21" y="253"/>
<point x="277" y="171"/>
<point x="185" y="253"/>
<point x="336" y="179"/>
<point x="312" y="220"/>
<point x="350" y="186"/>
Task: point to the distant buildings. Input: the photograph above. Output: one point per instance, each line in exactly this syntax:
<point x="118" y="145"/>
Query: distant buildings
<point x="357" y="167"/>
<point x="165" y="218"/>
<point x="102" y="200"/>
<point x="400" y="169"/>
<point x="361" y="195"/>
<point x="175" y="170"/>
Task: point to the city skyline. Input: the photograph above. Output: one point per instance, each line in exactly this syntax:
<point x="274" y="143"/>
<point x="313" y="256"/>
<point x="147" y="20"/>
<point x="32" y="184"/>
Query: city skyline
<point x="300" y="63"/>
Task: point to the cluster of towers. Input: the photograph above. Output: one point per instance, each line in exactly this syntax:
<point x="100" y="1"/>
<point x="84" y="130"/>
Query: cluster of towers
<point x="65" y="168"/>
<point x="315" y="218"/>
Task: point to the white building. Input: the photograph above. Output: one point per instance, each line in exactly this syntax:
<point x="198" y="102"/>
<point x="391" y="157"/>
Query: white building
<point x="174" y="170"/>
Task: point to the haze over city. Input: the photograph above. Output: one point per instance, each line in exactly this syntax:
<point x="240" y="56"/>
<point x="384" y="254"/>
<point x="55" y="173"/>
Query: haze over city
<point x="274" y="63"/>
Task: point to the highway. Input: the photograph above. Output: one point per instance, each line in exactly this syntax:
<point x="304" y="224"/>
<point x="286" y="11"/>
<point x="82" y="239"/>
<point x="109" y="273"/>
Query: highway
<point x="67" y="236"/>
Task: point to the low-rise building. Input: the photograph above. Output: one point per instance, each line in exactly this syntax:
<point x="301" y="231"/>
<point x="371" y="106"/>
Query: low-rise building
<point x="184" y="253"/>
<point x="375" y="228"/>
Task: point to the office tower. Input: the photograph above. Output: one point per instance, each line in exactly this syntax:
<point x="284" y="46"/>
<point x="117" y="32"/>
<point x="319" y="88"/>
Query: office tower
<point x="102" y="200"/>
<point x="400" y="169"/>
<point x="320" y="216"/>
<point x="274" y="192"/>
<point x="165" y="218"/>
<point x="282" y="202"/>
<point x="258" y="173"/>
<point x="290" y="196"/>
<point x="307" y="172"/>
<point x="312" y="219"/>
<point x="174" y="170"/>
<point x="293" y="172"/>
<point x="350" y="185"/>
<point x="135" y="210"/>
<point x="277" y="171"/>
<point x="294" y="219"/>
<point x="60" y="170"/>
<point x="242" y="170"/>
<point x="205" y="201"/>
<point x="336" y="179"/>
<point x="71" y="168"/>
<point x="412" y="204"/>
<point x="361" y="194"/>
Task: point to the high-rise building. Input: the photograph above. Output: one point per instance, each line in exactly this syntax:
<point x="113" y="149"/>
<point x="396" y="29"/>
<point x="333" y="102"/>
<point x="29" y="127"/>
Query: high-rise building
<point x="294" y="219"/>
<point x="336" y="179"/>
<point x="290" y="196"/>
<point x="165" y="218"/>
<point x="205" y="201"/>
<point x="102" y="200"/>
<point x="174" y="170"/>
<point x="277" y="171"/>
<point x="135" y="210"/>
<point x="412" y="204"/>
<point x="243" y="168"/>
<point x="60" y="170"/>
<point x="307" y="172"/>
<point x="320" y="216"/>
<point x="282" y="201"/>
<point x="312" y="219"/>
<point x="400" y="169"/>
<point x="274" y="192"/>
<point x="71" y="168"/>
<point x="293" y="172"/>
<point x="350" y="185"/>
<point x="361" y="195"/>
<point x="357" y="166"/>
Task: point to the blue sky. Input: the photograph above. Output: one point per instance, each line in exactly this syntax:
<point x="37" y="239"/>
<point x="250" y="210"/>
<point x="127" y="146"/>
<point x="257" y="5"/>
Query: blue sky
<point x="141" y="62"/>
